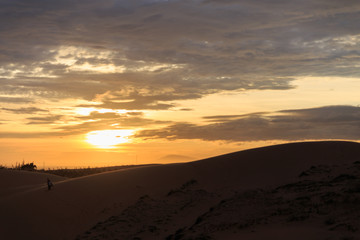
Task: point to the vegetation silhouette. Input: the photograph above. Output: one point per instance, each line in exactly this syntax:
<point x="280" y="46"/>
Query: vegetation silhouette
<point x="68" y="172"/>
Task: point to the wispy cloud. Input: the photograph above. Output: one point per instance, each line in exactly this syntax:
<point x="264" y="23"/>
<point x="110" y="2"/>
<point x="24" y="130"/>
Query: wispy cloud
<point x="92" y="122"/>
<point x="106" y="121"/>
<point x="24" y="110"/>
<point x="20" y="100"/>
<point x="331" y="122"/>
<point x="51" y="119"/>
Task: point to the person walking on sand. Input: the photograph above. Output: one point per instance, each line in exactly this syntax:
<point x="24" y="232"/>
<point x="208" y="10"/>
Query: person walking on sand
<point x="50" y="184"/>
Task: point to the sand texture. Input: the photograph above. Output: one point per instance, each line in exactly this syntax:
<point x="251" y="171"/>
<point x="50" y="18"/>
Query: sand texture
<point x="291" y="191"/>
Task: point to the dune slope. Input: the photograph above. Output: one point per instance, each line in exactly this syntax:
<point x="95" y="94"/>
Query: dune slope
<point x="177" y="201"/>
<point x="14" y="181"/>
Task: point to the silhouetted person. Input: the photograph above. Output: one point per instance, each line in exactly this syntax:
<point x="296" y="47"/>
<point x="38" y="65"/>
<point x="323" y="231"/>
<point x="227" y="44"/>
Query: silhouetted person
<point x="50" y="184"/>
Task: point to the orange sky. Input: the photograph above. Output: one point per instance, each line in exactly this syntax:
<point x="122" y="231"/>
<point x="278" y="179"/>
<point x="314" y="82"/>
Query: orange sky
<point x="125" y="82"/>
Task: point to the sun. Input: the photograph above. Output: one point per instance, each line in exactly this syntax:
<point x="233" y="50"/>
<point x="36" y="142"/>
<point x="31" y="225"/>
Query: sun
<point x="108" y="138"/>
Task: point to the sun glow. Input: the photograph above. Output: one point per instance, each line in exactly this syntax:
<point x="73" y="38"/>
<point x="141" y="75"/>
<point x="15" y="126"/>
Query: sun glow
<point x="108" y="138"/>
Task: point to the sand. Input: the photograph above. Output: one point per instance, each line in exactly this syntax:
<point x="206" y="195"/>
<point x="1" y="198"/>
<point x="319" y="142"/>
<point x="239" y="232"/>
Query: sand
<point x="14" y="181"/>
<point x="282" y="191"/>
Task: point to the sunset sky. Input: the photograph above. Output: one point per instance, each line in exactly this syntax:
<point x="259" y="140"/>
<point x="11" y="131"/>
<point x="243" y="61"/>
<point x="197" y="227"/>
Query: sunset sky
<point x="111" y="82"/>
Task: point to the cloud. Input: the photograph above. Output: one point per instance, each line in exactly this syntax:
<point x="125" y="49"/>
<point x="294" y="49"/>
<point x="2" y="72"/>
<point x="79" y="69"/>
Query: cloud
<point x="28" y="134"/>
<point x="94" y="121"/>
<point x="19" y="100"/>
<point x="331" y="122"/>
<point x="221" y="118"/>
<point x="44" y="120"/>
<point x="97" y="115"/>
<point x="24" y="110"/>
<point x="106" y="121"/>
<point x="106" y="124"/>
<point x="131" y="105"/>
<point x="186" y="109"/>
<point x="156" y="49"/>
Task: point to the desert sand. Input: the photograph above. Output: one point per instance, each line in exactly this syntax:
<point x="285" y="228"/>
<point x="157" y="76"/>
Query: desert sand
<point x="292" y="191"/>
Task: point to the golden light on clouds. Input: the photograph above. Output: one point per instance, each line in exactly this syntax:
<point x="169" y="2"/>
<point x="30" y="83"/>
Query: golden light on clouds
<point x="108" y="138"/>
<point x="221" y="80"/>
<point x="100" y="61"/>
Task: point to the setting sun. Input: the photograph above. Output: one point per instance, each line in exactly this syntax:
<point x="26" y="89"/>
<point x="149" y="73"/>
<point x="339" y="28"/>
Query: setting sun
<point x="108" y="138"/>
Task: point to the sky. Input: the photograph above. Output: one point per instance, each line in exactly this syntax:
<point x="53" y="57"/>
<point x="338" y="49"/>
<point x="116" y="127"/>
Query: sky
<point x="118" y="82"/>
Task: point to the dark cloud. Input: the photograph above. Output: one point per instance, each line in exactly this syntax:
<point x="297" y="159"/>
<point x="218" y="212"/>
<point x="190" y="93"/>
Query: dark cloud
<point x="221" y="118"/>
<point x="44" y="120"/>
<point x="24" y="110"/>
<point x="135" y="114"/>
<point x="332" y="122"/>
<point x="28" y="134"/>
<point x="185" y="49"/>
<point x="152" y="18"/>
<point x="186" y="109"/>
<point x="19" y="100"/>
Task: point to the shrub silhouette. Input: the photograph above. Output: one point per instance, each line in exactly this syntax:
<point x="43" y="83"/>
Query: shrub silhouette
<point x="28" y="166"/>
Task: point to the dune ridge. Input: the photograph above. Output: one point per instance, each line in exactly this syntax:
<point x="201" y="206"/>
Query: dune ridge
<point x="174" y="201"/>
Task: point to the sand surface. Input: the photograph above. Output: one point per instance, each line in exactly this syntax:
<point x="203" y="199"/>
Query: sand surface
<point x="15" y="182"/>
<point x="291" y="191"/>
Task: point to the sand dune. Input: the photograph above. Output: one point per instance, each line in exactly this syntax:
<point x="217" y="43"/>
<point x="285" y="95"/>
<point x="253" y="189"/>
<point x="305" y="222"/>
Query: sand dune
<point x="13" y="181"/>
<point x="191" y="200"/>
